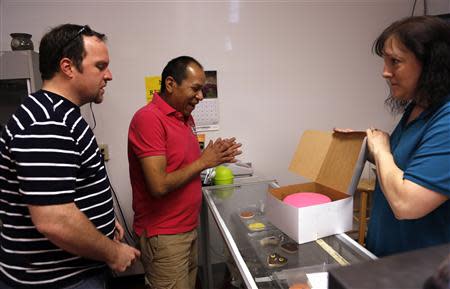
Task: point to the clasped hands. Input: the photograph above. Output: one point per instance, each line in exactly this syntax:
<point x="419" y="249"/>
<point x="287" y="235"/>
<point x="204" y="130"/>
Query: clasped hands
<point x="220" y="151"/>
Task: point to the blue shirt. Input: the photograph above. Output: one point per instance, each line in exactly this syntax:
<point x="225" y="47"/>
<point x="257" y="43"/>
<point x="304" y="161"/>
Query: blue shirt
<point x="421" y="149"/>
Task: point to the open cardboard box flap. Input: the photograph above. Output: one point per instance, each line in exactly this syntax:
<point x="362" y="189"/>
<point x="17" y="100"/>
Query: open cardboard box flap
<point x="331" y="159"/>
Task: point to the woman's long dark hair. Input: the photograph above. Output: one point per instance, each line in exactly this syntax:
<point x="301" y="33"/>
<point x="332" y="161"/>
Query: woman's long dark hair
<point x="428" y="37"/>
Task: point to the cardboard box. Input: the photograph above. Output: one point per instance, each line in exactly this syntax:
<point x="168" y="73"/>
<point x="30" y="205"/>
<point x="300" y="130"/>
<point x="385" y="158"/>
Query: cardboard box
<point x="334" y="163"/>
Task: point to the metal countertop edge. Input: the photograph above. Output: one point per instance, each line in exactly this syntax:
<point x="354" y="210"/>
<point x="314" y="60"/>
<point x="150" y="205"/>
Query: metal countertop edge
<point x="248" y="278"/>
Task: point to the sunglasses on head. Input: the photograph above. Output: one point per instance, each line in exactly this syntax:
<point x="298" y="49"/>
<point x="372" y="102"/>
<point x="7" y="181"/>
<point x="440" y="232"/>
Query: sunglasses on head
<point x="82" y="30"/>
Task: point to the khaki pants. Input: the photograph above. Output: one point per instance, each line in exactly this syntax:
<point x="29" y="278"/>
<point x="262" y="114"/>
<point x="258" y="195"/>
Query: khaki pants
<point x="170" y="261"/>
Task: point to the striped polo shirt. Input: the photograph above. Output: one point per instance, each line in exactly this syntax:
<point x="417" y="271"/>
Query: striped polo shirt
<point x="48" y="155"/>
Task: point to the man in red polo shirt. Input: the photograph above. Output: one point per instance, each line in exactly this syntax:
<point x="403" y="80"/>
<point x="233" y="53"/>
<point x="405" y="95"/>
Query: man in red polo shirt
<point x="165" y="164"/>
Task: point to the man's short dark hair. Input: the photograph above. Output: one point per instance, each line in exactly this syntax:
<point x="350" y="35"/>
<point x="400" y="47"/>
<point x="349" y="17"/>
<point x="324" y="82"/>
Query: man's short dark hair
<point x="63" y="41"/>
<point x="177" y="69"/>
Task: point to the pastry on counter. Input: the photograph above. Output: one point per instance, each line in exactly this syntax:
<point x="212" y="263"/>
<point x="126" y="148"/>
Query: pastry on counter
<point x="275" y="260"/>
<point x="269" y="241"/>
<point x="247" y="214"/>
<point x="257" y="226"/>
<point x="300" y="286"/>
<point x="289" y="247"/>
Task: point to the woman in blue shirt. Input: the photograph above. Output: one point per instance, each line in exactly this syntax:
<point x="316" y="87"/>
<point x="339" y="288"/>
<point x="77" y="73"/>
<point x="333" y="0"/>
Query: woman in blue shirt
<point x="411" y="207"/>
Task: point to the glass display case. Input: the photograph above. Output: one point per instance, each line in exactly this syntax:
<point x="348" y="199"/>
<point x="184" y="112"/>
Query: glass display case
<point x="261" y="255"/>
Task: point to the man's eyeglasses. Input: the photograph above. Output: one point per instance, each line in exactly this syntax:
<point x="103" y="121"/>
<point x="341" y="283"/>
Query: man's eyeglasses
<point x="83" y="29"/>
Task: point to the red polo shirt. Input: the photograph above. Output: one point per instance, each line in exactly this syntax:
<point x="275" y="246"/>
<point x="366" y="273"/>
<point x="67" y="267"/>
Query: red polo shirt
<point x="158" y="129"/>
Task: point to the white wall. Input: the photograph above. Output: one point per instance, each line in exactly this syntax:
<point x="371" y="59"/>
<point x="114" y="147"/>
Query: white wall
<point x="283" y="67"/>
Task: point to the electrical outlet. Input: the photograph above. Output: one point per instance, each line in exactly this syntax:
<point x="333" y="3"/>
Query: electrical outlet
<point x="104" y="150"/>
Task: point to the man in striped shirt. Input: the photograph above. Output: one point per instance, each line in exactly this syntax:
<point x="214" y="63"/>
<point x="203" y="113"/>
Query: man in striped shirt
<point x="59" y="228"/>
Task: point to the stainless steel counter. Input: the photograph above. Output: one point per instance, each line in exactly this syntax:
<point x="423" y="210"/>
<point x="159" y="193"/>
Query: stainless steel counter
<point x="249" y="256"/>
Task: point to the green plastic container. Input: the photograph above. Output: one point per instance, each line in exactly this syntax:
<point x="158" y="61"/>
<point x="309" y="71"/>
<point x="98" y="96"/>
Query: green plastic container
<point x="224" y="176"/>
